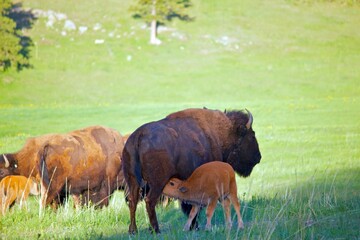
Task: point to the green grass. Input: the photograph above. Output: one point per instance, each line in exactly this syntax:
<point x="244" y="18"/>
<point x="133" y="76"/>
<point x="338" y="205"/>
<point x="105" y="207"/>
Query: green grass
<point x="294" y="65"/>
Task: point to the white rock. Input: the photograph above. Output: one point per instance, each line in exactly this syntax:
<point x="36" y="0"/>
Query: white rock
<point x="69" y="25"/>
<point x="97" y="26"/>
<point x="60" y="16"/>
<point x="83" y="29"/>
<point x="99" y="41"/>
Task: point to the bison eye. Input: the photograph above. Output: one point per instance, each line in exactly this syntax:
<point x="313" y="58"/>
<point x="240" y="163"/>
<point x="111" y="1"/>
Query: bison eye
<point x="15" y="165"/>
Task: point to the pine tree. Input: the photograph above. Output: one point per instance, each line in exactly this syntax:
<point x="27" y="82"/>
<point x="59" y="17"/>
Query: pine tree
<point x="10" y="46"/>
<point x="157" y="12"/>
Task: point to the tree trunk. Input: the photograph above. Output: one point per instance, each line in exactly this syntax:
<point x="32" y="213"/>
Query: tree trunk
<point x="153" y="27"/>
<point x="153" y="38"/>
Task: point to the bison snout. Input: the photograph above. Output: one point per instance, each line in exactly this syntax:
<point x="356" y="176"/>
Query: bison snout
<point x="257" y="157"/>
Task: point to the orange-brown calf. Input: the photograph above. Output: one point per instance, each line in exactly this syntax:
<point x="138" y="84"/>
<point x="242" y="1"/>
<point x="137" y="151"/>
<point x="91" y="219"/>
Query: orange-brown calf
<point x="16" y="188"/>
<point x="209" y="183"/>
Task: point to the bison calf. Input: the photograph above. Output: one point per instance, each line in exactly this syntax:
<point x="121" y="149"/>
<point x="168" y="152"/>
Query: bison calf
<point x="209" y="183"/>
<point x="16" y="188"/>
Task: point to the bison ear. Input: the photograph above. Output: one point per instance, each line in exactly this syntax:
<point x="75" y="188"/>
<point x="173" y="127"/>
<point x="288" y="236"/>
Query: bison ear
<point x="183" y="189"/>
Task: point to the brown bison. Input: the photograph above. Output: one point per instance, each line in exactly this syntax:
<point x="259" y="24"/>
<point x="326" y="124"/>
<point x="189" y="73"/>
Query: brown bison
<point x="84" y="163"/>
<point x="208" y="184"/>
<point x="16" y="188"/>
<point x="176" y="145"/>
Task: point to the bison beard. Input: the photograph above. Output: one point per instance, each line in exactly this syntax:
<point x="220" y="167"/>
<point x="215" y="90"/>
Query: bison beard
<point x="176" y="145"/>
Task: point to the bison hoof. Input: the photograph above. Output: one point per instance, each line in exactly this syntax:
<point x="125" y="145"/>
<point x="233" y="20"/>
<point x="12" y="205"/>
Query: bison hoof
<point x="132" y="230"/>
<point x="154" y="230"/>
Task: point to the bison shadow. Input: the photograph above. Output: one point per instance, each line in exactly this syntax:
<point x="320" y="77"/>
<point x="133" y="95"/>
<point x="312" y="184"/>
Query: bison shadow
<point x="316" y="205"/>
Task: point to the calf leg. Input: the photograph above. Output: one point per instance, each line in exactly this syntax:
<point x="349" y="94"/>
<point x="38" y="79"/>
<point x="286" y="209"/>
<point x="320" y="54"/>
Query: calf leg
<point x="186" y="208"/>
<point x="8" y="201"/>
<point x="209" y="213"/>
<point x="77" y="199"/>
<point x="226" y="205"/>
<point x="22" y="198"/>
<point x="192" y="215"/>
<point x="235" y="202"/>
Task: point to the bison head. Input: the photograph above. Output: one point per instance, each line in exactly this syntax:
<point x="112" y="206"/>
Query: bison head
<point x="244" y="153"/>
<point x="8" y="165"/>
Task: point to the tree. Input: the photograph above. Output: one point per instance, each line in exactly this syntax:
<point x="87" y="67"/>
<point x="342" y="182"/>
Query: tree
<point x="10" y="42"/>
<point x="156" y="12"/>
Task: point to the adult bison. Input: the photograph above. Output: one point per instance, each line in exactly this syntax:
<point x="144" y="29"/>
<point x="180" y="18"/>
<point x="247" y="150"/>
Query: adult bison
<point x="179" y="143"/>
<point x="84" y="163"/>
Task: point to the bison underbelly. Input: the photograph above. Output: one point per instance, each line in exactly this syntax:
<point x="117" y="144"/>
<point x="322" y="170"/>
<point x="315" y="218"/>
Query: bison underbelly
<point x="78" y="185"/>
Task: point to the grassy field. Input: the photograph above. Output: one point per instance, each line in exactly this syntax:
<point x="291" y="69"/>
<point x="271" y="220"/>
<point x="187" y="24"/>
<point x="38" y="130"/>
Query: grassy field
<point x="295" y="65"/>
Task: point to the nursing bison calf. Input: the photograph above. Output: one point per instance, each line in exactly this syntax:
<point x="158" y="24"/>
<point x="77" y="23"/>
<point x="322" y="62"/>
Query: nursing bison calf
<point x="209" y="183"/>
<point x="16" y="188"/>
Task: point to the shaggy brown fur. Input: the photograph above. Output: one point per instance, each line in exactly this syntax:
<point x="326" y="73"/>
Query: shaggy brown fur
<point x="84" y="163"/>
<point x="179" y="143"/>
<point x="209" y="183"/>
<point x="16" y="188"/>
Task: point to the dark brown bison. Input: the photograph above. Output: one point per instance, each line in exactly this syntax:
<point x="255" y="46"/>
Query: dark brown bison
<point x="179" y="143"/>
<point x="84" y="163"/>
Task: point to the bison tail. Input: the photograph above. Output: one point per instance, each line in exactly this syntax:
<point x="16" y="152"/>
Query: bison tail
<point x="131" y="166"/>
<point x="42" y="168"/>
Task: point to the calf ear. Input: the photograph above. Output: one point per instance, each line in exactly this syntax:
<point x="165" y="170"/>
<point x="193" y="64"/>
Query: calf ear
<point x="183" y="189"/>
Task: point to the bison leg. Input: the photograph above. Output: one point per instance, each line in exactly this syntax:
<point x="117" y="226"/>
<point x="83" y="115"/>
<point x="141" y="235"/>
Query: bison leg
<point x="193" y="213"/>
<point x="151" y="200"/>
<point x="209" y="213"/>
<point x="133" y="197"/>
<point x="49" y="194"/>
<point x="100" y="198"/>
<point x="104" y="194"/>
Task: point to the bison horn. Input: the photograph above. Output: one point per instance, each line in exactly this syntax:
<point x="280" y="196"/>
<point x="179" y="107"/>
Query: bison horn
<point x="7" y="164"/>
<point x="249" y="123"/>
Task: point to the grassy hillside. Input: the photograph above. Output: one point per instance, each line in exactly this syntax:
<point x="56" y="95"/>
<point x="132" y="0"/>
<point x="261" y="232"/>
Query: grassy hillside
<point x="294" y="65"/>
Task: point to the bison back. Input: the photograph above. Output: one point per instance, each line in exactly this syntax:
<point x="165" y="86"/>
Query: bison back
<point x="170" y="147"/>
